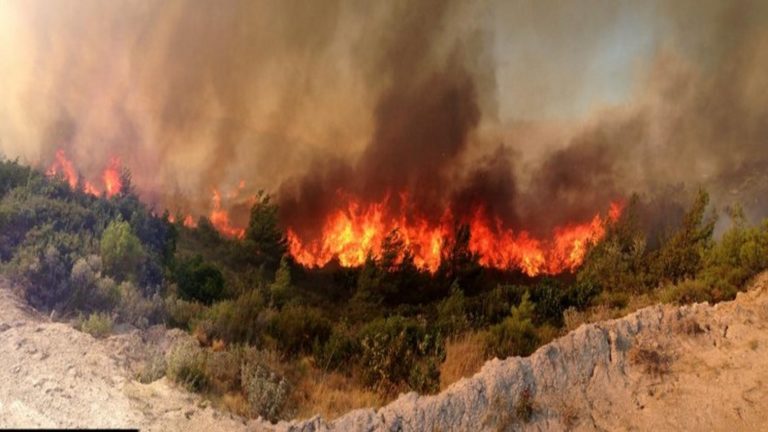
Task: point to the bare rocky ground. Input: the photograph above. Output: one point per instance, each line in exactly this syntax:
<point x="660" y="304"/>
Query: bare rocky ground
<point x="692" y="368"/>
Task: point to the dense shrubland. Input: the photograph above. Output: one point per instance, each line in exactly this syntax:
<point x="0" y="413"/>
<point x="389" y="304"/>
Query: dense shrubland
<point x="275" y="339"/>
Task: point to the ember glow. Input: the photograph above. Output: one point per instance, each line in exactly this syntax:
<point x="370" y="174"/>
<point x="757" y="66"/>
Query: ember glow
<point x="109" y="183"/>
<point x="350" y="234"/>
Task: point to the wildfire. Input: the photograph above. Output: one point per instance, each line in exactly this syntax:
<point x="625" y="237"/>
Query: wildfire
<point x="110" y="178"/>
<point x="220" y="219"/>
<point x="359" y="229"/>
<point x="63" y="167"/>
<point x="112" y="182"/>
<point x="352" y="233"/>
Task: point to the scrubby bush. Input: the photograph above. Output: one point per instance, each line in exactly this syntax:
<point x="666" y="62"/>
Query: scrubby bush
<point x="392" y="347"/>
<point x="617" y="262"/>
<point x="42" y="267"/>
<point x="686" y="291"/>
<point x="264" y="243"/>
<point x="153" y="369"/>
<point x="121" y="251"/>
<point x="516" y="335"/>
<point x="135" y="309"/>
<point x="199" y="280"/>
<point x="97" y="324"/>
<point x="739" y="255"/>
<point x="681" y="255"/>
<point x="187" y="365"/>
<point x="181" y="313"/>
<point x="451" y="312"/>
<point x="239" y="320"/>
<point x="297" y="328"/>
<point x="223" y="370"/>
<point x="13" y="175"/>
<point x="550" y="301"/>
<point x="91" y="290"/>
<point x="339" y="350"/>
<point x="267" y="392"/>
<point x="493" y="306"/>
<point x="281" y="289"/>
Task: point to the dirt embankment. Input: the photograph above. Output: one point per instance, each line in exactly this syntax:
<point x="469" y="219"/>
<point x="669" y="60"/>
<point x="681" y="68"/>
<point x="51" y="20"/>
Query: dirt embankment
<point x="698" y="367"/>
<point x="52" y="375"/>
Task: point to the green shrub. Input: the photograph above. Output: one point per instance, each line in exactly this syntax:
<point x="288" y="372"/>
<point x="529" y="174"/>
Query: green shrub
<point x="685" y="292"/>
<point x="680" y="256"/>
<point x="199" y="280"/>
<point x="239" y="320"/>
<point x="297" y="328"/>
<point x="618" y="261"/>
<point x="549" y="298"/>
<point x="739" y="255"/>
<point x="121" y="251"/>
<point x="264" y="243"/>
<point x="392" y="347"/>
<point x="135" y="308"/>
<point x="614" y="299"/>
<point x="425" y="377"/>
<point x="186" y="365"/>
<point x="516" y="335"/>
<point x="182" y="313"/>
<point x="42" y="266"/>
<point x="266" y="391"/>
<point x="91" y="290"/>
<point x="152" y="370"/>
<point x="451" y="315"/>
<point x="13" y="175"/>
<point x="281" y="289"/>
<point x="223" y="370"/>
<point x="338" y="351"/>
<point x="493" y="306"/>
<point x="98" y="325"/>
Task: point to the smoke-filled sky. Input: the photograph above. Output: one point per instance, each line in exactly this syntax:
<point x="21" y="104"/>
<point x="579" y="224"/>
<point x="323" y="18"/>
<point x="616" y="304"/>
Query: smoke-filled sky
<point x="527" y="106"/>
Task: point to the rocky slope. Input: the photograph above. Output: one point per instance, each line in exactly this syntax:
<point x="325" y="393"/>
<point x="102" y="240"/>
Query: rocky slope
<point x="662" y="368"/>
<point x="699" y="367"/>
<point x="53" y="376"/>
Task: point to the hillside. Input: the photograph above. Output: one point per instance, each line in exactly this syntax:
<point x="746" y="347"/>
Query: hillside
<point x="55" y="376"/>
<point x="695" y="367"/>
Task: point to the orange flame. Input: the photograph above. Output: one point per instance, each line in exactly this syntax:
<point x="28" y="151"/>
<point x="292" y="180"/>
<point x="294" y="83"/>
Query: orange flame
<point x="110" y="178"/>
<point x="189" y="222"/>
<point x="64" y="167"/>
<point x="220" y="219"/>
<point x="112" y="181"/>
<point x="351" y="234"/>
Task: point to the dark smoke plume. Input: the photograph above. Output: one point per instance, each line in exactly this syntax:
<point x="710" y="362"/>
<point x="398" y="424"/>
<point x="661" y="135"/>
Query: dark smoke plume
<point x="319" y="101"/>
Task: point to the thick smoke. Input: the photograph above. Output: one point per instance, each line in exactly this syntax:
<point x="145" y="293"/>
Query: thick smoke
<point x="319" y="101"/>
<point x="428" y="105"/>
<point x="693" y="123"/>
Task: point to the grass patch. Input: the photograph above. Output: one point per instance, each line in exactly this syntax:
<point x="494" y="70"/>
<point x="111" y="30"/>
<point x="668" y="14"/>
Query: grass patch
<point x="98" y="325"/>
<point x="463" y="358"/>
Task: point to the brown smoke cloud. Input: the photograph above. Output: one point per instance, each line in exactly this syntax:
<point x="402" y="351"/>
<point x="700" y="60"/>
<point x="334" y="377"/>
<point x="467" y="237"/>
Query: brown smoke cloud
<point x="696" y="121"/>
<point x="306" y="98"/>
